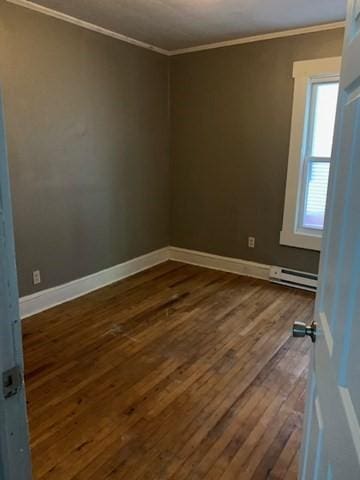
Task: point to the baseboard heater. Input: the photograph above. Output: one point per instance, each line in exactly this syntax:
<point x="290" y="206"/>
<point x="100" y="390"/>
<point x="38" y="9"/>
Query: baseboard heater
<point x="294" y="278"/>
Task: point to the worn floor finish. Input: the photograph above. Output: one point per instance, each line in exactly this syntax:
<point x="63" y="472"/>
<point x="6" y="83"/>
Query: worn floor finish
<point x="178" y="373"/>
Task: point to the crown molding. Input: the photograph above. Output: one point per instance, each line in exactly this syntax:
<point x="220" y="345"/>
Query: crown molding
<point x="210" y="46"/>
<point x="89" y="26"/>
<point x="259" y="38"/>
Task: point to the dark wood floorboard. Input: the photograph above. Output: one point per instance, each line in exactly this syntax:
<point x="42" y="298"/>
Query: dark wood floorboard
<point x="177" y="373"/>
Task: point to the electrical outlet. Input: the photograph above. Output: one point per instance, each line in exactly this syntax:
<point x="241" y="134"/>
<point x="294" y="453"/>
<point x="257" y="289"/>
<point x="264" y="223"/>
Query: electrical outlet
<point x="36" y="277"/>
<point x="251" y="242"/>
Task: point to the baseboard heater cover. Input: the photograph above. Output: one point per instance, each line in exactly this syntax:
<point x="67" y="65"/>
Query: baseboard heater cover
<point x="294" y="278"/>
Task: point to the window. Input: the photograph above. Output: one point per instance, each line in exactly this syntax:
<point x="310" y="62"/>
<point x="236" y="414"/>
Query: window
<point x="317" y="153"/>
<point x="312" y="131"/>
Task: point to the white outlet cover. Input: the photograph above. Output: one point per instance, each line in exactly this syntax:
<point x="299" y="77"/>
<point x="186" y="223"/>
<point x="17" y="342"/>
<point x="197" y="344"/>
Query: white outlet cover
<point x="251" y="242"/>
<point x="36" y="277"/>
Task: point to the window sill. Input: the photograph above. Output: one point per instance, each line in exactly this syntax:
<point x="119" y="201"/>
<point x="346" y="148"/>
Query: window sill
<point x="301" y="240"/>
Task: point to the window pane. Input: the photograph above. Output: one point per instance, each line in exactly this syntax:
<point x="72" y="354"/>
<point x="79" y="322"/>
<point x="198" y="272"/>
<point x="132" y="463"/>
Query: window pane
<point x="324" y="118"/>
<point x="316" y="192"/>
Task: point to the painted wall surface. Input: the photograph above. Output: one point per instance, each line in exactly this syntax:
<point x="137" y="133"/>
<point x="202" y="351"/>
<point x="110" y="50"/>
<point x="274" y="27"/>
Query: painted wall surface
<point x="230" y="131"/>
<point x="93" y="179"/>
<point x="87" y="121"/>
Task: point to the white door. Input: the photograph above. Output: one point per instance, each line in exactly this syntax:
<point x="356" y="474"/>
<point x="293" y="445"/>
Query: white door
<point x="14" y="448"/>
<point x="331" y="445"/>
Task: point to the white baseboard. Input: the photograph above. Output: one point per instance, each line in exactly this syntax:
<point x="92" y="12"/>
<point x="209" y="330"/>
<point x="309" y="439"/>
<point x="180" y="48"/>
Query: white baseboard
<point x="51" y="297"/>
<point x="216" y="262"/>
<point x="45" y="299"/>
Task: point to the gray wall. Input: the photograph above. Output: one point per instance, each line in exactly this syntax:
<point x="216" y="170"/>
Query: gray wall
<point x="87" y="124"/>
<point x="230" y="116"/>
<point x="87" y="120"/>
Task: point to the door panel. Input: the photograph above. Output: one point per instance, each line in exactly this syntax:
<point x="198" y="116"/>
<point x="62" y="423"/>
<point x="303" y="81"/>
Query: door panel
<point x="332" y="243"/>
<point x="331" y="445"/>
<point x="14" y="445"/>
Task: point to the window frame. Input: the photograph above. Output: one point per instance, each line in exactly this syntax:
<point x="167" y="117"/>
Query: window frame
<point x="305" y="73"/>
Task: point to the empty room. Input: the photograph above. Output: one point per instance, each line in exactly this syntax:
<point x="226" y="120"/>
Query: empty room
<point x="179" y="240"/>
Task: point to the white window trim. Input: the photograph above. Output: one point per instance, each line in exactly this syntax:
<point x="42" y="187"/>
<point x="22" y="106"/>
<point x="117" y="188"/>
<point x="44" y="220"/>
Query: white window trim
<point x="303" y="73"/>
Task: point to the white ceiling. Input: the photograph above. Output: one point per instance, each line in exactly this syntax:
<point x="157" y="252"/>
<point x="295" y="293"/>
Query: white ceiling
<point x="177" y="24"/>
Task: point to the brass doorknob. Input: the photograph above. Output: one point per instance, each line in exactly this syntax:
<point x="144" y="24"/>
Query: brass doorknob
<point x="300" y="329"/>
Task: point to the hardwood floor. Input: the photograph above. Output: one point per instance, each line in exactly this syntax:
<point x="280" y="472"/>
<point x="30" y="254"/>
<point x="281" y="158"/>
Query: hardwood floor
<point x="176" y="373"/>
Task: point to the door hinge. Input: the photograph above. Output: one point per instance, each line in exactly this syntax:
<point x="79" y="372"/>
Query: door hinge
<point x="12" y="381"/>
